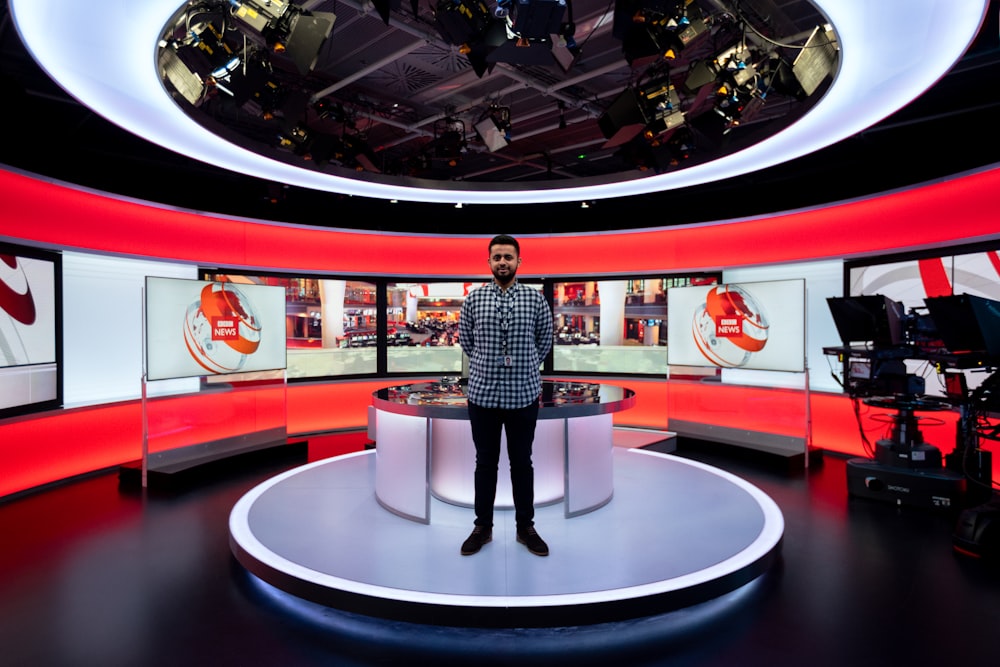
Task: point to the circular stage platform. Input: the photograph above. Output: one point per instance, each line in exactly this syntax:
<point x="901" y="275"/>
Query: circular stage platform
<point x="676" y="533"/>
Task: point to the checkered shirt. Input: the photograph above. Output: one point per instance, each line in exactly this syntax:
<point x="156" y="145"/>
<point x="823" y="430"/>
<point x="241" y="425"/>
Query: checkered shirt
<point x="494" y="323"/>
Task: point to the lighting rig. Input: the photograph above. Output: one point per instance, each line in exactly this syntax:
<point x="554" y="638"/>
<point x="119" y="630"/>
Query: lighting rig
<point x="736" y="83"/>
<point x="648" y="109"/>
<point x="493" y="127"/>
<point x="287" y="28"/>
<point x="449" y="142"/>
<point x="957" y="335"/>
<point x="202" y="59"/>
<point x="517" y="32"/>
<point x="656" y="29"/>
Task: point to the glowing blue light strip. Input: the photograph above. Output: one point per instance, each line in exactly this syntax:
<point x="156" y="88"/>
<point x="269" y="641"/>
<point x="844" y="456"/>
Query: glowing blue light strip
<point x="103" y="52"/>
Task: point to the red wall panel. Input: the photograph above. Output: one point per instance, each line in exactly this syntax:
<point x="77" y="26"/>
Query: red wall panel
<point x="53" y="446"/>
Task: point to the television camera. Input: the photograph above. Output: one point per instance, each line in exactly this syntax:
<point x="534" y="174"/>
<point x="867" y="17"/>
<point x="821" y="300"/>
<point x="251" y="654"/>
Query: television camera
<point x="959" y="336"/>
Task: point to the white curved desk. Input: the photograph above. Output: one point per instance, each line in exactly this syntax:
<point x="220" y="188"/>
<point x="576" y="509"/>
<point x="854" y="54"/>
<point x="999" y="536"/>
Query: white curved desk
<point x="424" y="447"/>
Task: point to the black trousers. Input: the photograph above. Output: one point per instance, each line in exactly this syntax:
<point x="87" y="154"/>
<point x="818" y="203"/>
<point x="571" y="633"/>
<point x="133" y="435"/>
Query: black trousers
<point x="487" y="426"/>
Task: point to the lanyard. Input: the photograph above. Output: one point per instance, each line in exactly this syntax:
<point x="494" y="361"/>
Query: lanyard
<point x="504" y="303"/>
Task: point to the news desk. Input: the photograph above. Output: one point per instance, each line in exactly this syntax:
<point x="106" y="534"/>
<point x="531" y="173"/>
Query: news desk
<point x="424" y="447"/>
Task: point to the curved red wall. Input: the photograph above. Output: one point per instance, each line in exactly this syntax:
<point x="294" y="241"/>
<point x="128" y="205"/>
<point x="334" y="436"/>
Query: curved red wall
<point x="52" y="446"/>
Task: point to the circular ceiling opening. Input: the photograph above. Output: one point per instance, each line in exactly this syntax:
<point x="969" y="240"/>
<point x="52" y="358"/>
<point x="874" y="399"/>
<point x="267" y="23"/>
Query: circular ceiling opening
<point x="391" y="95"/>
<point x="506" y="94"/>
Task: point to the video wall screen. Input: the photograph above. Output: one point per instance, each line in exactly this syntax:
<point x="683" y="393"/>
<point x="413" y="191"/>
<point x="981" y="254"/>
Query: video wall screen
<point x="614" y="325"/>
<point x="198" y="327"/>
<point x="422" y="326"/>
<point x="30" y="326"/>
<point x="758" y="325"/>
<point x="331" y="327"/>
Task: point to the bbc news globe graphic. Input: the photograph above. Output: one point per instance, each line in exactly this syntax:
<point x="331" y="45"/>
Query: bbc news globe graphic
<point x="221" y="329"/>
<point x="730" y="326"/>
<point x="17" y="310"/>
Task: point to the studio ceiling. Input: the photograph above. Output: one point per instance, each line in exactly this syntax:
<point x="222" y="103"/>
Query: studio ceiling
<point x="391" y="86"/>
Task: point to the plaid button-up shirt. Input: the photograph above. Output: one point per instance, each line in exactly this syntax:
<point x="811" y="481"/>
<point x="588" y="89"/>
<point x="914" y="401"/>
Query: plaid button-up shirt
<point x="495" y="324"/>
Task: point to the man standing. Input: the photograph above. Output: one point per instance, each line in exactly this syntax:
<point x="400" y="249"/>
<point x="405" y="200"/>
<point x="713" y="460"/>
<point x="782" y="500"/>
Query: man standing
<point x="505" y="328"/>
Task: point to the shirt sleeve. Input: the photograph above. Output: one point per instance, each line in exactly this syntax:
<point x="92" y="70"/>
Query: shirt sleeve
<point x="466" y="339"/>
<point x="543" y="329"/>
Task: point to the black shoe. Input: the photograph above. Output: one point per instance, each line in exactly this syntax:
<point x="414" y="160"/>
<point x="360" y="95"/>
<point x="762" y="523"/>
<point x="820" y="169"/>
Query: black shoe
<point x="476" y="540"/>
<point x="529" y="537"/>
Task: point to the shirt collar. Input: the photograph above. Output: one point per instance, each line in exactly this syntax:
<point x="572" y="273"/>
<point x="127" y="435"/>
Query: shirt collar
<point x="499" y="290"/>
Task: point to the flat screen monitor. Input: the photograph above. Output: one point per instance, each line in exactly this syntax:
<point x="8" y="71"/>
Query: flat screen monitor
<point x="199" y="327"/>
<point x="967" y="323"/>
<point x="30" y="330"/>
<point x="756" y="325"/>
<point x="871" y="319"/>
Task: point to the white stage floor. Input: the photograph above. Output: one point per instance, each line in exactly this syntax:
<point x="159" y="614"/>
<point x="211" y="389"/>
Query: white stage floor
<point x="676" y="533"/>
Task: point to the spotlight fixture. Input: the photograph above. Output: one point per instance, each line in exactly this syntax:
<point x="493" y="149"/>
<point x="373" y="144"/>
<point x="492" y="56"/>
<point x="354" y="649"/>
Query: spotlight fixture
<point x="656" y="29"/>
<point x="449" y="140"/>
<point x="287" y="29"/>
<point x="650" y="110"/>
<point x="348" y="150"/>
<point x="735" y="68"/>
<point x="534" y="19"/>
<point x="199" y="59"/>
<point x="462" y="22"/>
<point x="564" y="47"/>
<point x="662" y="107"/>
<point x="817" y="60"/>
<point x="529" y="26"/>
<point x="517" y="32"/>
<point x="493" y="127"/>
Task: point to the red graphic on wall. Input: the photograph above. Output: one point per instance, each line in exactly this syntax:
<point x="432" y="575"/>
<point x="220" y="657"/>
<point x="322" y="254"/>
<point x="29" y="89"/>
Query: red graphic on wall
<point x="15" y="293"/>
<point x="221" y="329"/>
<point x="730" y="326"/>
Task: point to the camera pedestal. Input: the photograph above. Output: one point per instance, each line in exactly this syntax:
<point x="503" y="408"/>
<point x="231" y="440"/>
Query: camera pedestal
<point x="906" y="470"/>
<point x="938" y="488"/>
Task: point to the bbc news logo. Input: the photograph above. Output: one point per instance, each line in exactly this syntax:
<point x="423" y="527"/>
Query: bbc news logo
<point x="225" y="328"/>
<point x="728" y="327"/>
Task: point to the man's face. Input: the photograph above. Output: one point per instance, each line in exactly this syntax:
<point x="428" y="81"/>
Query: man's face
<point x="504" y="261"/>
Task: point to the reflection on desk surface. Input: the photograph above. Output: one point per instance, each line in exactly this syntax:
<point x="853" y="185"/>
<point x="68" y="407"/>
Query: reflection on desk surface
<point x="554" y="393"/>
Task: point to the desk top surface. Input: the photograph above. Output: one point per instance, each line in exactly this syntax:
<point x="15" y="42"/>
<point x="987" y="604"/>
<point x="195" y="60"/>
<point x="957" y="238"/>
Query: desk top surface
<point x="446" y="399"/>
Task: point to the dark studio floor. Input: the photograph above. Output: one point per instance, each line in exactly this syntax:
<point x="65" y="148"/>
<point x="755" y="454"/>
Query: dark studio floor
<point x="94" y="574"/>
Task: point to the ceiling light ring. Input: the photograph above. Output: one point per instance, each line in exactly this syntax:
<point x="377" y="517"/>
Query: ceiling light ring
<point x="136" y="100"/>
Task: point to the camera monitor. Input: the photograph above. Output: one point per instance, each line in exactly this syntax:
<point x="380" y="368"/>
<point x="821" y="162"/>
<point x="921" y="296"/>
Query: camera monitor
<point x="967" y="323"/>
<point x="874" y="319"/>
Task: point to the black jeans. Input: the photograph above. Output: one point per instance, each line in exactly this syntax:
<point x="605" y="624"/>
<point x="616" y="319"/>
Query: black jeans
<point x="487" y="426"/>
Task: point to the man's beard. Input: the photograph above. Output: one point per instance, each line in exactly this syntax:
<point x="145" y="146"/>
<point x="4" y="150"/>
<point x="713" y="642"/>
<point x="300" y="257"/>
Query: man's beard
<point x="505" y="277"/>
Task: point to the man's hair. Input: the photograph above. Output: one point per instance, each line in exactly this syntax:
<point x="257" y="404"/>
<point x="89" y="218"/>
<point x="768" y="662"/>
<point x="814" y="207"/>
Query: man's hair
<point x="503" y="239"/>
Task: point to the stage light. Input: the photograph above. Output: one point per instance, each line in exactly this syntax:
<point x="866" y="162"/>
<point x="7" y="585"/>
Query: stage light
<point x="662" y="106"/>
<point x="735" y="67"/>
<point x="817" y="60"/>
<point x="287" y="29"/>
<point x="494" y="127"/>
<point x="535" y="19"/>
<point x="519" y="32"/>
<point x="565" y="50"/>
<point x="656" y="29"/>
<point x="348" y="150"/>
<point x="449" y="140"/>
<point x="462" y="22"/>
